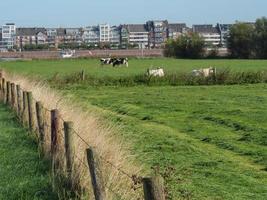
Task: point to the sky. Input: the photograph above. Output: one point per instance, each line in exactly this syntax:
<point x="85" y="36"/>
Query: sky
<point x="79" y="13"/>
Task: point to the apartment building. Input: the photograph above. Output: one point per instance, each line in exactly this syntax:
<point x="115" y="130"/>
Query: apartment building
<point x="124" y="36"/>
<point x="114" y="37"/>
<point x="224" y="30"/>
<point x="211" y="34"/>
<point x="8" y="38"/>
<point x="104" y="31"/>
<point x="176" y="30"/>
<point x="158" y="33"/>
<point x="73" y="35"/>
<point x="30" y="36"/>
<point x="91" y="35"/>
<point x="138" y="35"/>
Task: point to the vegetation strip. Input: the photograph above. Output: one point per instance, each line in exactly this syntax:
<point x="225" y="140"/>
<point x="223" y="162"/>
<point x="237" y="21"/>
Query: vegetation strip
<point x="23" y="174"/>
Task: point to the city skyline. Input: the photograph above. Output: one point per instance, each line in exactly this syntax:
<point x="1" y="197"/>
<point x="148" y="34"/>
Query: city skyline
<point x="81" y="13"/>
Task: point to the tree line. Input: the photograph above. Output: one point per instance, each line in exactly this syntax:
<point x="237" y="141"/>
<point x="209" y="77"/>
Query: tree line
<point x="245" y="40"/>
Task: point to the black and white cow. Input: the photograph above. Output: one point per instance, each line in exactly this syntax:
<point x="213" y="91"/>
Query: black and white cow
<point x="114" y="61"/>
<point x="120" y="61"/>
<point x="106" y="61"/>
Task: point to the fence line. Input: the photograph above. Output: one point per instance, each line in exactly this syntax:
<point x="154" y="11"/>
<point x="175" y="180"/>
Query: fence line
<point x="153" y="186"/>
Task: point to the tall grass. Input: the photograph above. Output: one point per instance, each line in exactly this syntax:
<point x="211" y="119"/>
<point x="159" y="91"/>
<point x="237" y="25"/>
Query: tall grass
<point x="222" y="77"/>
<point x="94" y="131"/>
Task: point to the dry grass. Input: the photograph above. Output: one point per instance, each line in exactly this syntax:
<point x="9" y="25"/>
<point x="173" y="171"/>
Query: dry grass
<point x="99" y="136"/>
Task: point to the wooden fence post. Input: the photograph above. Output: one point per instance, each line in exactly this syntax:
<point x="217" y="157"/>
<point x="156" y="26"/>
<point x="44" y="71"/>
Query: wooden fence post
<point x="13" y="100"/>
<point x="54" y="130"/>
<point x="83" y="75"/>
<point x="25" y="106"/>
<point x="4" y="90"/>
<point x="69" y="146"/>
<point x="99" y="190"/>
<point x="40" y="122"/>
<point x="154" y="188"/>
<point x="54" y="142"/>
<point x="30" y="110"/>
<point x="7" y="92"/>
<point x="1" y="76"/>
<point x="19" y="106"/>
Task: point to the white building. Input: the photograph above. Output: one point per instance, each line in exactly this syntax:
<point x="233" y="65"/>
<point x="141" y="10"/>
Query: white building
<point x="104" y="31"/>
<point x="138" y="35"/>
<point x="210" y="34"/>
<point x="91" y="35"/>
<point x="8" y="36"/>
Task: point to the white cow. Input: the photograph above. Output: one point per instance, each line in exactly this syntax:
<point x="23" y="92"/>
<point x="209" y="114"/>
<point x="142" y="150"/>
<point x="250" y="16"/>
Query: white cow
<point x="159" y="72"/>
<point x="206" y="72"/>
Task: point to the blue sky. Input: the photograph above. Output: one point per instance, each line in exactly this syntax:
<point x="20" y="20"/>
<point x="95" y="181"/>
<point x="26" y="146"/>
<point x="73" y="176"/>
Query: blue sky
<point x="75" y="13"/>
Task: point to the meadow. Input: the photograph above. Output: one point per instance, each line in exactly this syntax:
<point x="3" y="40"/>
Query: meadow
<point x="208" y="142"/>
<point x="48" y="68"/>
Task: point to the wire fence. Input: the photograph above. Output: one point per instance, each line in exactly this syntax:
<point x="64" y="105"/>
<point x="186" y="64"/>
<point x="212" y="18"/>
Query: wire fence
<point x="135" y="180"/>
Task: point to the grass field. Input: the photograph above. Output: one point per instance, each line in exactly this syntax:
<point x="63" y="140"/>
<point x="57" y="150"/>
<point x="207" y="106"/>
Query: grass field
<point x="22" y="174"/>
<point x="209" y="142"/>
<point x="48" y="68"/>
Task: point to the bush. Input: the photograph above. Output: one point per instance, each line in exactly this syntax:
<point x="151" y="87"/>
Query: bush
<point x="186" y="46"/>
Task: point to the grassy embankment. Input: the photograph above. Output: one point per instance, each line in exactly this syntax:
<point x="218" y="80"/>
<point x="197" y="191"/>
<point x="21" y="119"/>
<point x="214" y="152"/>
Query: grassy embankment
<point x="209" y="142"/>
<point x="23" y="174"/>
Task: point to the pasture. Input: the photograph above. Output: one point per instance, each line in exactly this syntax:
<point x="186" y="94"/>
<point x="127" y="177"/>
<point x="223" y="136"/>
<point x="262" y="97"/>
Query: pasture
<point x="48" y="68"/>
<point x="209" y="142"/>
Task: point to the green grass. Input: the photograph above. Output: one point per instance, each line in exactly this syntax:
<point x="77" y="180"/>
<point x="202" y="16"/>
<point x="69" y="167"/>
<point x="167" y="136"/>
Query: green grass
<point x="209" y="142"/>
<point x="23" y="175"/>
<point x="48" y="68"/>
<point x="214" y="137"/>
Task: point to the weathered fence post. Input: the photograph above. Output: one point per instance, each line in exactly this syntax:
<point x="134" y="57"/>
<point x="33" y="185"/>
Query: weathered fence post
<point x="25" y="106"/>
<point x="13" y="100"/>
<point x="154" y="188"/>
<point x="1" y="76"/>
<point x="98" y="188"/>
<point x="40" y="122"/>
<point x="54" y="142"/>
<point x="7" y="92"/>
<point x="4" y="90"/>
<point x="19" y="100"/>
<point x="69" y="146"/>
<point x="83" y="75"/>
<point x="30" y="110"/>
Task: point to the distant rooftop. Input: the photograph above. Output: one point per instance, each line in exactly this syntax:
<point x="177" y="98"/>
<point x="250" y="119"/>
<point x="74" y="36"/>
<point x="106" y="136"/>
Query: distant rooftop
<point x="136" y="28"/>
<point x="29" y="31"/>
<point x="205" y="28"/>
<point x="177" y="27"/>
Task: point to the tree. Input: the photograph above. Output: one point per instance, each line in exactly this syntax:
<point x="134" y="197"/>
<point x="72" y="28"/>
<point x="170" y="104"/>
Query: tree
<point x="240" y="41"/>
<point x="260" y="38"/>
<point x="186" y="46"/>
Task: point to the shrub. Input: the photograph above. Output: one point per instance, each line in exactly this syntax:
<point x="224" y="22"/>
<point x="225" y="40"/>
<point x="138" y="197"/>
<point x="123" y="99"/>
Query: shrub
<point x="186" y="46"/>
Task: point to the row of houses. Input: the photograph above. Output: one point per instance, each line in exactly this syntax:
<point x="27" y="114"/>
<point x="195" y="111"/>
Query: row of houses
<point x="152" y="34"/>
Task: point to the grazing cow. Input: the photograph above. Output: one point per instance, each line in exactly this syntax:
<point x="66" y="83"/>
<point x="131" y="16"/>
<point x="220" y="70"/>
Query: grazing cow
<point x="159" y="72"/>
<point x="206" y="72"/>
<point x="120" y="61"/>
<point x="106" y="61"/>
